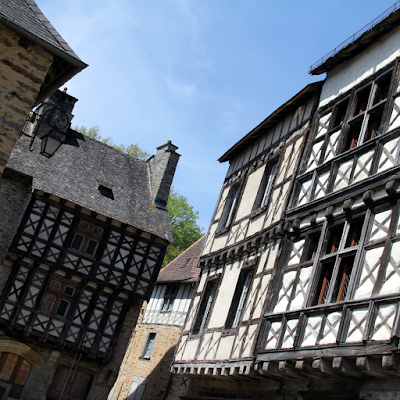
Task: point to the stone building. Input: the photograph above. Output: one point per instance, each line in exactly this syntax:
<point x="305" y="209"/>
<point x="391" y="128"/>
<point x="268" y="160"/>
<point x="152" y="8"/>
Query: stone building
<point x="144" y="373"/>
<point x="298" y="295"/>
<point x="85" y="255"/>
<point x="35" y="61"/>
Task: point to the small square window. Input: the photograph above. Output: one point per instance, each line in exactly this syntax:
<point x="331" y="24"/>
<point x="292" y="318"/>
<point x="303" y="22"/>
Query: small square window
<point x="106" y="192"/>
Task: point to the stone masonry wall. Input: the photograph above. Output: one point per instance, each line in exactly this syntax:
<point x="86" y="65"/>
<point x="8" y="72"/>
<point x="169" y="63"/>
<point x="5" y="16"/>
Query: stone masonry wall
<point x="23" y="68"/>
<point x="15" y="194"/>
<point x="155" y="370"/>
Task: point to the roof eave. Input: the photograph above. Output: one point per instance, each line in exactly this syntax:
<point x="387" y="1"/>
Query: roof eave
<point x="366" y="40"/>
<point x="76" y="65"/>
<point x="272" y="119"/>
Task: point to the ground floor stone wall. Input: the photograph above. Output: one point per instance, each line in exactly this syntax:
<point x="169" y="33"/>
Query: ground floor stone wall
<point x="24" y="66"/>
<point x="153" y="371"/>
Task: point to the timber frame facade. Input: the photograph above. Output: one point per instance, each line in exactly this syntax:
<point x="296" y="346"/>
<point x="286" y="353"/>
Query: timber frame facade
<point x="299" y="290"/>
<point x="92" y="231"/>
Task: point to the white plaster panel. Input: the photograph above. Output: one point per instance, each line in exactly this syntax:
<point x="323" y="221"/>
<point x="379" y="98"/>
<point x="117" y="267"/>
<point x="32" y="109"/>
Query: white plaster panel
<point x="384" y="322"/>
<point x="192" y="313"/>
<point x="395" y="117"/>
<point x="258" y="303"/>
<point x="285" y="291"/>
<point x="312" y="331"/>
<point x="248" y="305"/>
<point x="250" y="193"/>
<point x="281" y="200"/>
<point x="381" y="224"/>
<point x="221" y="202"/>
<point x="189" y="352"/>
<point x="225" y="347"/>
<point x="369" y="273"/>
<point x="273" y="335"/>
<point x="290" y="333"/>
<point x="249" y="340"/>
<point x="348" y="74"/>
<point x="331" y="328"/>
<point x="357" y="325"/>
<point x="296" y="253"/>
<point x="219" y="242"/>
<point x="238" y="342"/>
<point x="225" y="294"/>
<point x="343" y="175"/>
<point x="392" y="276"/>
<point x="255" y="224"/>
<point x="292" y="162"/>
<point x="323" y="125"/>
<point x="389" y="154"/>
<point x="204" y="346"/>
<point x="181" y="346"/>
<point x="213" y="344"/>
<point x="209" y="239"/>
<point x="242" y="228"/>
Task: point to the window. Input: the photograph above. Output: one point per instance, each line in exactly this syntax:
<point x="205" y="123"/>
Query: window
<point x="266" y="185"/>
<point x="14" y="370"/>
<point x="87" y="238"/>
<point x="58" y="298"/>
<point x="185" y="263"/>
<point x="169" y="297"/>
<point x="337" y="261"/>
<point x="106" y="192"/>
<point x="148" y="347"/>
<point x="230" y="207"/>
<point x="205" y="307"/>
<point x="239" y="298"/>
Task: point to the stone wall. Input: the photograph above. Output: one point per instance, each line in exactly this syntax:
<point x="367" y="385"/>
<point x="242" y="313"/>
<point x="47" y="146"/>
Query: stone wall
<point x="15" y="193"/>
<point x="23" y="69"/>
<point x="155" y="369"/>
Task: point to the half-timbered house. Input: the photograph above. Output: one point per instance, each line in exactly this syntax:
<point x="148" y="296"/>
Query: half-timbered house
<point x="145" y="371"/>
<point x="316" y="312"/>
<point x="87" y="252"/>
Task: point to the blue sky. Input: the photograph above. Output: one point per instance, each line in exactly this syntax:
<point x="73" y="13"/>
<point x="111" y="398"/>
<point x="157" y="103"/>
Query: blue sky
<point x="199" y="73"/>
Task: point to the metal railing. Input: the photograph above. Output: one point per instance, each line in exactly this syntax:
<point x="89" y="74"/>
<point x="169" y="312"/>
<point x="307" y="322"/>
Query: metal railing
<point x="354" y="37"/>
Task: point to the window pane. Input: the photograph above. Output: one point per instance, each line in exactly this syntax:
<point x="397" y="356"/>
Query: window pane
<point x="91" y="247"/>
<point x="77" y="242"/>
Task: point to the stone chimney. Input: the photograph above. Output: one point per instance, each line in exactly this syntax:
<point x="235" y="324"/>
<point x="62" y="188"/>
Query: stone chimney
<point x="162" y="169"/>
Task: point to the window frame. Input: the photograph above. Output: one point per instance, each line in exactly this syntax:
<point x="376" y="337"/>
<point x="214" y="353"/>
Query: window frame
<point x="267" y="184"/>
<point x="170" y="294"/>
<point x="239" y="298"/>
<point x="205" y="306"/>
<point x="149" y="345"/>
<point x="88" y="236"/>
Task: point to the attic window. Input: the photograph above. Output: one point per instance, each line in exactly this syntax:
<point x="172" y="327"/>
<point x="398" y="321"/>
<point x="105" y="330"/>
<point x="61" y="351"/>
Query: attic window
<point x="107" y="192"/>
<point x="185" y="263"/>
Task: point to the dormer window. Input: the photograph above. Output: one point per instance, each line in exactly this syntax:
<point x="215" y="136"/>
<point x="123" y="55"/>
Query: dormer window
<point x="106" y="192"/>
<point x="87" y="238"/>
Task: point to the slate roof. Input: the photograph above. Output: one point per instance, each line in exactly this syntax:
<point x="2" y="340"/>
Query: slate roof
<point x="26" y="15"/>
<point x="173" y="272"/>
<point x="77" y="169"/>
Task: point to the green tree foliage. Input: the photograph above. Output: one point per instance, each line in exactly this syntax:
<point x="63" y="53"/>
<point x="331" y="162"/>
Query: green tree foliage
<point x="183" y="223"/>
<point x="94" y="133"/>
